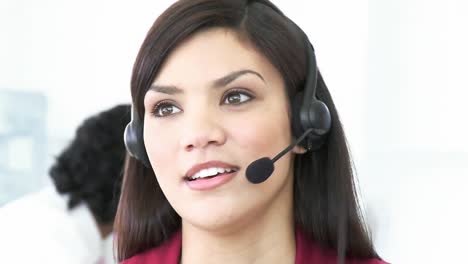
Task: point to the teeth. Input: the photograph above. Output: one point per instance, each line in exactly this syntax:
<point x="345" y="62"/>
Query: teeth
<point x="210" y="172"/>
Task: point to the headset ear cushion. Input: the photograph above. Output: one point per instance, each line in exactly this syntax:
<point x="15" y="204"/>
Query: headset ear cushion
<point x="129" y="139"/>
<point x="134" y="143"/>
<point x="318" y="117"/>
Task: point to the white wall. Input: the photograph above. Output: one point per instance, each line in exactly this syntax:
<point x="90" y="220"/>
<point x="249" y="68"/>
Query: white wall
<point x="79" y="53"/>
<point x="416" y="130"/>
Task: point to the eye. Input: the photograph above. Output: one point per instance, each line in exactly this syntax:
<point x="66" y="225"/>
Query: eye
<point x="165" y="109"/>
<point x="235" y="97"/>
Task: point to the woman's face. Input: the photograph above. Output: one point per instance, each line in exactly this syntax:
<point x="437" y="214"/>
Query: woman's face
<point x="217" y="105"/>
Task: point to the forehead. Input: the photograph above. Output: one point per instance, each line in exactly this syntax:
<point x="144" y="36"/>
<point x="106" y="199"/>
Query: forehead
<point x="210" y="54"/>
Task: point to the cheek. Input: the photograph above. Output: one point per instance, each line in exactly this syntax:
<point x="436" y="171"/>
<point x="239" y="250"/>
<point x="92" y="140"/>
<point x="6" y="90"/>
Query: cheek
<point x="263" y="135"/>
<point x="160" y="146"/>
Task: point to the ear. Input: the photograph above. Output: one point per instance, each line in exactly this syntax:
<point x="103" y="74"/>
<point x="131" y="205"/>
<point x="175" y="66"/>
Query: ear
<point x="299" y="150"/>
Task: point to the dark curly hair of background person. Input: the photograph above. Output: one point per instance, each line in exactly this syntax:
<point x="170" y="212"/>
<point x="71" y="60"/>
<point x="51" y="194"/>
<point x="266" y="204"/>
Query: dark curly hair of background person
<point x="90" y="169"/>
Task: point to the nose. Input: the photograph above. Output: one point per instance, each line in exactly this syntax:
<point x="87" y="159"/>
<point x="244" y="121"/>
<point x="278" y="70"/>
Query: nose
<point x="202" y="129"/>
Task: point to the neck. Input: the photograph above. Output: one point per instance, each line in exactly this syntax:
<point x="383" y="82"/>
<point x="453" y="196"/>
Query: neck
<point x="105" y="230"/>
<point x="266" y="239"/>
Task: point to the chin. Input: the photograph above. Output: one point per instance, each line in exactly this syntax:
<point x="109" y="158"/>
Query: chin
<point x="217" y="219"/>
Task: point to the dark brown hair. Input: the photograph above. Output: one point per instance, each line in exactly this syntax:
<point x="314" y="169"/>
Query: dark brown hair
<point x="324" y="192"/>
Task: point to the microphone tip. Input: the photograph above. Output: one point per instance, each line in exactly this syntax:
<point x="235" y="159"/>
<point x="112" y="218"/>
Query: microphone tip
<point x="259" y="170"/>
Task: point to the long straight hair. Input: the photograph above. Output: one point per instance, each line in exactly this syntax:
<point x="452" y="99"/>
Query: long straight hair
<point x="325" y="200"/>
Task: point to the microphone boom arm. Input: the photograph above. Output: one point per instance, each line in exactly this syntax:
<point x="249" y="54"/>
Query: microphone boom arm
<point x="286" y="150"/>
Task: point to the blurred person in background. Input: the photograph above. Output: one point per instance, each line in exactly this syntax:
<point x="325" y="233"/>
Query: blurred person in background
<point x="71" y="222"/>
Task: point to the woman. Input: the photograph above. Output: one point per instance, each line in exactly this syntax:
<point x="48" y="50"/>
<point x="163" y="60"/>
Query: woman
<point x="217" y="85"/>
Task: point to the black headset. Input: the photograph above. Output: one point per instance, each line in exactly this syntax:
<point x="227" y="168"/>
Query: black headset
<point x="133" y="138"/>
<point x="308" y="113"/>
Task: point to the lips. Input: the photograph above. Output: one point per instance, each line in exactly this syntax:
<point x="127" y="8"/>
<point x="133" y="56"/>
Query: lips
<point x="209" y="169"/>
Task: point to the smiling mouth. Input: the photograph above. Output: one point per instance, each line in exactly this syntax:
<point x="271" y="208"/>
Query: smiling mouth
<point x="211" y="173"/>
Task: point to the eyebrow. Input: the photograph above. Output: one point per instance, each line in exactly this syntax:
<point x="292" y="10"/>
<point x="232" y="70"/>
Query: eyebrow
<point x="221" y="82"/>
